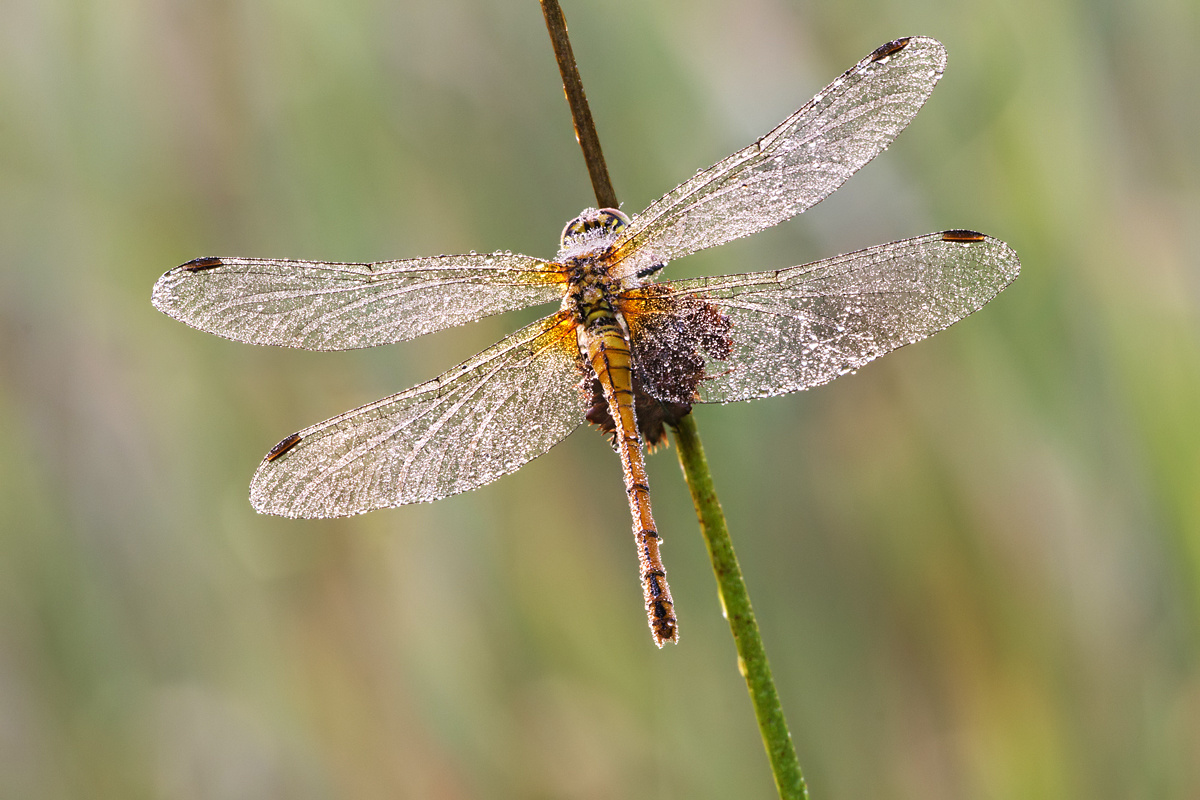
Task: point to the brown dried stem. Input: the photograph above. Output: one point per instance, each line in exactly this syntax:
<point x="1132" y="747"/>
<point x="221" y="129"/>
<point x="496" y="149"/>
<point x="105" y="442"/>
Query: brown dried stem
<point x="581" y="115"/>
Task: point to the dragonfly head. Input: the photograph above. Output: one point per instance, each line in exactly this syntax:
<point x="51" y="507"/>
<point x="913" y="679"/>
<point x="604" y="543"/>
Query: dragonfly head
<point x="592" y="226"/>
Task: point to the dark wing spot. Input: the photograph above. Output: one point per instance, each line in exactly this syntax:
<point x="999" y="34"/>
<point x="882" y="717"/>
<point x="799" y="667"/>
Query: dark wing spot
<point x="962" y="236"/>
<point x="201" y="264"/>
<point x="283" y="447"/>
<point x="891" y="48"/>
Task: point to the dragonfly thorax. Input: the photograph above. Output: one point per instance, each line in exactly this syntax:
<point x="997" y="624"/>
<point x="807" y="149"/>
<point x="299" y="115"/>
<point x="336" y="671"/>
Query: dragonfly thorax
<point x="590" y="302"/>
<point x="586" y="251"/>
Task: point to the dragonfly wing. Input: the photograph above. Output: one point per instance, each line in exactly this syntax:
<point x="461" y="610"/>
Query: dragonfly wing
<point x="739" y="337"/>
<point x="796" y="165"/>
<point x="482" y="419"/>
<point x="326" y="306"/>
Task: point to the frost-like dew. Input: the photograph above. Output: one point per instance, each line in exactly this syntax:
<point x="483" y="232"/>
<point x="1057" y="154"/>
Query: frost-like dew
<point x="796" y="328"/>
<point x="482" y="419"/>
<point x="780" y="175"/>
<point x="317" y="305"/>
<point x="623" y="352"/>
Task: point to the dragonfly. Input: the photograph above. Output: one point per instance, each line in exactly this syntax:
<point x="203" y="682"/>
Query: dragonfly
<point x="623" y="351"/>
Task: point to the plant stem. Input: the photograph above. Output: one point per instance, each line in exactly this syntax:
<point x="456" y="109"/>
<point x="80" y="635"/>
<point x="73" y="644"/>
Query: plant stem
<point x="581" y="115"/>
<point x="752" y="657"/>
<point x="735" y="601"/>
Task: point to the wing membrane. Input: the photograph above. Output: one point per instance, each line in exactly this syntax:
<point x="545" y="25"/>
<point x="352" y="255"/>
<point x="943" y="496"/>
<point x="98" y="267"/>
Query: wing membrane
<point x="796" y="165"/>
<point x="770" y="333"/>
<point x="316" y="305"/>
<point x="482" y="419"/>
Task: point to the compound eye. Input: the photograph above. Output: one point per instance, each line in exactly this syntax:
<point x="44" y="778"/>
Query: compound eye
<point x="614" y="219"/>
<point x="572" y="229"/>
<point x="606" y="220"/>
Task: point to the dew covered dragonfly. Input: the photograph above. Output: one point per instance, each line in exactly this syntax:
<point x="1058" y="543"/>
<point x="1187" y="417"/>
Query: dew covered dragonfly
<point x="623" y="352"/>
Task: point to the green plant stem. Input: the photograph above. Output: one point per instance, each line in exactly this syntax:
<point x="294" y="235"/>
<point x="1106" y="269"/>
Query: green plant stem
<point x="752" y="657"/>
<point x="735" y="600"/>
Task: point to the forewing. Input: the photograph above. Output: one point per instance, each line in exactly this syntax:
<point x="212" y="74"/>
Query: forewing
<point x="326" y="306"/>
<point x="796" y="165"/>
<point x="768" y="333"/>
<point x="482" y="419"/>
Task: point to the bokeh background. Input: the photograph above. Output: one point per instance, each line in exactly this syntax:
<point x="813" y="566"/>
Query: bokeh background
<point x="976" y="563"/>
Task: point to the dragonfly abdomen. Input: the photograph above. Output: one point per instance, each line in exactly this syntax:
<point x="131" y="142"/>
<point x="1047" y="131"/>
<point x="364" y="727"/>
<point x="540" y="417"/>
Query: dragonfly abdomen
<point x="607" y="350"/>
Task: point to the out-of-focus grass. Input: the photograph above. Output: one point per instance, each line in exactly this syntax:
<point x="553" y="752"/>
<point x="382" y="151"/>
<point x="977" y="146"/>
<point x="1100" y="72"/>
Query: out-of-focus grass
<point x="976" y="563"/>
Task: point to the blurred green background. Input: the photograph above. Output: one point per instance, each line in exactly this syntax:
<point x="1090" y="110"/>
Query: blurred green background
<point x="976" y="563"/>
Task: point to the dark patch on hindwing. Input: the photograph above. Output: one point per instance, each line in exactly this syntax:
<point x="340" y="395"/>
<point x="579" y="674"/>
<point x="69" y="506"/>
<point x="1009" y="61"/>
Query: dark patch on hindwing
<point x="651" y="414"/>
<point x="671" y="338"/>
